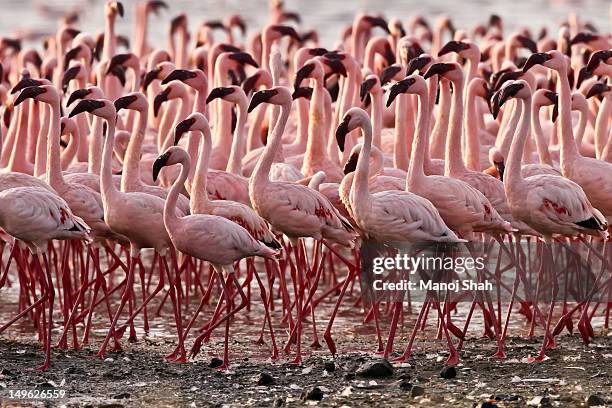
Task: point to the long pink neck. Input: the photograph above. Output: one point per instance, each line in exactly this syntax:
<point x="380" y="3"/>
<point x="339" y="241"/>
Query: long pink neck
<point x="453" y="157"/>
<point x="541" y="145"/>
<point x="440" y="130"/>
<point x="602" y="124"/>
<point x="131" y="165"/>
<point x="70" y="152"/>
<point x="54" y="164"/>
<point x="234" y="163"/>
<point x="420" y="144"/>
<point x="471" y="127"/>
<point x="171" y="218"/>
<point x="505" y="133"/>
<point x="513" y="179"/>
<point x="107" y="187"/>
<point x="18" y="161"/>
<point x="261" y="172"/>
<point x="40" y="164"/>
<point x="199" y="196"/>
<point x="360" y="193"/>
<point x="315" y="149"/>
<point x="96" y="145"/>
<point x="569" y="151"/>
<point x="377" y="118"/>
<point x="33" y="129"/>
<point x="404" y="131"/>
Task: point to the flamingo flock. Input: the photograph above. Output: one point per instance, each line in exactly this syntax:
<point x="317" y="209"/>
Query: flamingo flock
<point x="135" y="176"/>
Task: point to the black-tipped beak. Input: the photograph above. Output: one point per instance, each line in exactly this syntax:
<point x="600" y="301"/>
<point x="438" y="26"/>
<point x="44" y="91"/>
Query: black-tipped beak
<point x="365" y="87"/>
<point x="150" y="77"/>
<point x="124" y="102"/>
<point x="389" y="73"/>
<point x="302" y="74"/>
<point x="302" y="92"/>
<point x="453" y="46"/>
<point x="182" y="128"/>
<point x="119" y="72"/>
<point x="159" y="99"/>
<point x="249" y="84"/>
<point x="159" y="164"/>
<point x="528" y="43"/>
<point x="536" y="59"/>
<point x="336" y="66"/>
<point x="156" y="5"/>
<point x="25" y="83"/>
<point x="69" y="75"/>
<point x="29" y="92"/>
<point x="438" y="69"/>
<point x="260" y="97"/>
<point x="596" y="89"/>
<point x="116" y="60"/>
<point x="342" y="131"/>
<point x="70" y="55"/>
<point x="389" y="54"/>
<point x="76" y="95"/>
<point x="582" y="38"/>
<point x="120" y="9"/>
<point x="287" y="31"/>
<point x="501" y="167"/>
<point x="244" y="58"/>
<point x="291" y="16"/>
<point x="220" y="92"/>
<point x="583" y="74"/>
<point x="417" y="64"/>
<point x="555" y="112"/>
<point x="86" y="105"/>
<point x="378" y="22"/>
<point x="351" y="164"/>
<point x="178" y="75"/>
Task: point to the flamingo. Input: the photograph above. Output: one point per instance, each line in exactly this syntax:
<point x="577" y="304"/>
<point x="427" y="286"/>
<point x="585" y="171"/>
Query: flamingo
<point x="295" y="210"/>
<point x="549" y="204"/>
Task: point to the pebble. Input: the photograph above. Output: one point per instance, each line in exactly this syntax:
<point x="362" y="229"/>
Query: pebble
<point x="448" y="372"/>
<point x="417" y="391"/>
<point x="405" y="385"/>
<point x="215" y="362"/>
<point x="75" y="371"/>
<point x="375" y="369"/>
<point x="330" y="366"/>
<point x="279" y="402"/>
<point x="123" y="395"/>
<point x="504" y="397"/>
<point x="265" y="378"/>
<point x="488" y="404"/>
<point x="314" y="394"/>
<point x="595" y="400"/>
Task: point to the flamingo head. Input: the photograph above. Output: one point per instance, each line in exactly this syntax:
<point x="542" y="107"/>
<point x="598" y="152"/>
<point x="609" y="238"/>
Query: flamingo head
<point x="552" y="59"/>
<point x="233" y="94"/>
<point x="449" y="70"/>
<point x="420" y="63"/>
<point x="353" y="118"/>
<point x="278" y="95"/>
<point x="99" y="107"/>
<point x="195" y="121"/>
<point x="174" y="155"/>
<point x="194" y="78"/>
<point x="42" y="93"/>
<point x="134" y="101"/>
<point x="413" y="84"/>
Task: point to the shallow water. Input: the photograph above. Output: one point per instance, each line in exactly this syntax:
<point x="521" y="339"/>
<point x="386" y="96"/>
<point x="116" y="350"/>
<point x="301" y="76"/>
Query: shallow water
<point x="327" y="16"/>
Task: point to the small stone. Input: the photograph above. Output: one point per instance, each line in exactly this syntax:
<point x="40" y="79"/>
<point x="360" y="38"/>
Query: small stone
<point x="375" y="369"/>
<point x="314" y="394"/>
<point x="488" y="404"/>
<point x="405" y="385"/>
<point x="595" y="400"/>
<point x="6" y="372"/>
<point x="215" y="362"/>
<point x="264" y="379"/>
<point x="417" y="391"/>
<point x="349" y="376"/>
<point x="279" y="402"/>
<point x="123" y="395"/>
<point x="504" y="397"/>
<point x="330" y="366"/>
<point x="75" y="371"/>
<point x="448" y="372"/>
<point x="110" y="405"/>
<point x="47" y="385"/>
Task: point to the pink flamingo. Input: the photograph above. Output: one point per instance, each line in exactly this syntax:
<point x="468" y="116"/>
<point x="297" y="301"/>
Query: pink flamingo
<point x="549" y="204"/>
<point x="293" y="209"/>
<point x="208" y="237"/>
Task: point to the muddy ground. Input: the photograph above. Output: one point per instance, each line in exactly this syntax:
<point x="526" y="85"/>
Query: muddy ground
<point x="138" y="376"/>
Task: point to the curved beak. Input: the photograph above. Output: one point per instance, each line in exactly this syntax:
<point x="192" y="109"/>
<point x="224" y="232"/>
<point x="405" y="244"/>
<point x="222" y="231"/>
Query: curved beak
<point x="76" y="95"/>
<point x="418" y="63"/>
<point x="86" y="105"/>
<point x="117" y="60"/>
<point x="583" y="74"/>
<point x="249" y="84"/>
<point x="244" y="58"/>
<point x="365" y="87"/>
<point x="302" y="74"/>
<point x="302" y="92"/>
<point x="438" y="69"/>
<point x="389" y="73"/>
<point x="177" y="75"/>
<point x="453" y="46"/>
<point x="528" y="43"/>
<point x="287" y="31"/>
<point x="378" y="22"/>
<point x="536" y="59"/>
<point x="124" y="102"/>
<point x="258" y="98"/>
<point x="27" y="93"/>
<point x="555" y="112"/>
<point x="159" y="99"/>
<point x="501" y="167"/>
<point x="596" y="89"/>
<point x="69" y="75"/>
<point x="183" y="127"/>
<point x="150" y="77"/>
<point x="160" y="163"/>
<point x="220" y="92"/>
<point x="351" y="164"/>
<point x="582" y="38"/>
<point x="342" y="131"/>
<point x="25" y="83"/>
